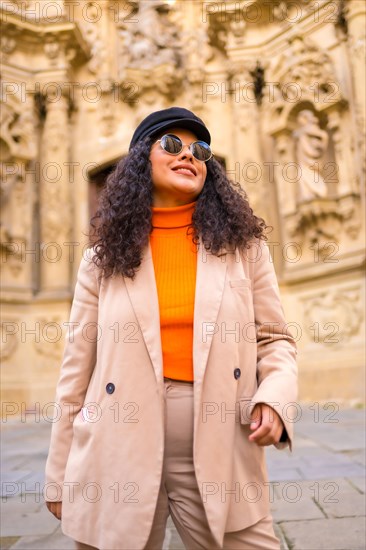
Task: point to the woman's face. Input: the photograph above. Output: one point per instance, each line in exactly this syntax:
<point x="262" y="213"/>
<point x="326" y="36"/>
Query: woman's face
<point x="177" y="179"/>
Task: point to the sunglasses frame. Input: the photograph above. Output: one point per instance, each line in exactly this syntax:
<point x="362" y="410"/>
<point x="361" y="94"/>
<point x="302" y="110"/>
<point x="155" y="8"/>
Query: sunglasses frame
<point x="183" y="145"/>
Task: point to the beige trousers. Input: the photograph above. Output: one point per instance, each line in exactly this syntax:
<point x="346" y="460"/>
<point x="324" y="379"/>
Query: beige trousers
<point x="179" y="495"/>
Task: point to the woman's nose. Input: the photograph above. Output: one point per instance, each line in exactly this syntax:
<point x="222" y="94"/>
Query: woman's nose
<point x="186" y="153"/>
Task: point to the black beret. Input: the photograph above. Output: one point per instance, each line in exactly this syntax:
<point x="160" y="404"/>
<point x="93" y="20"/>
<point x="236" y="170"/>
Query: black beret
<point x="179" y="117"/>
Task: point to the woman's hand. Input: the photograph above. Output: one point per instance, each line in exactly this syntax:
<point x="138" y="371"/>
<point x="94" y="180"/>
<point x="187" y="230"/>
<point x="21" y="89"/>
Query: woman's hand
<point x="55" y="508"/>
<point x="266" y="425"/>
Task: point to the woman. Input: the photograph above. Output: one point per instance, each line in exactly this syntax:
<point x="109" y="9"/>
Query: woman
<point x="179" y="368"/>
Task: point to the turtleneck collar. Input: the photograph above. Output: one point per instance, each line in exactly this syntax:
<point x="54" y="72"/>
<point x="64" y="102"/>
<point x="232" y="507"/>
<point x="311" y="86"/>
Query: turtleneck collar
<point x="173" y="216"/>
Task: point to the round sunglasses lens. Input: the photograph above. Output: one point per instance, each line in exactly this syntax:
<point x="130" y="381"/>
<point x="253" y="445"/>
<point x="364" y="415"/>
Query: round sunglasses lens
<point x="201" y="151"/>
<point x="171" y="144"/>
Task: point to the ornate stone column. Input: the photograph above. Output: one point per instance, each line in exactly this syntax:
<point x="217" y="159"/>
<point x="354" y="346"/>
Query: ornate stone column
<point x="248" y="167"/>
<point x="356" y="18"/>
<point x="343" y="153"/>
<point x="18" y="153"/>
<point x="357" y="40"/>
<point x="54" y="197"/>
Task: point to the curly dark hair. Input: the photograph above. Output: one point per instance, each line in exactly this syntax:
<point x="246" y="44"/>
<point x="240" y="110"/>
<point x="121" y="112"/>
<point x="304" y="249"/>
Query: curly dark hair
<point x="222" y="215"/>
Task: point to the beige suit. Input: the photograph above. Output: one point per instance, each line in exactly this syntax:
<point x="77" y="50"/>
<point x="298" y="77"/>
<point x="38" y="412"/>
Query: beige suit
<point x="107" y="447"/>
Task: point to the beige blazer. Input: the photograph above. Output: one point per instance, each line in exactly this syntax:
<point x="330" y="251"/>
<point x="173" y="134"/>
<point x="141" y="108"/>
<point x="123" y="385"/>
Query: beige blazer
<point x="107" y="445"/>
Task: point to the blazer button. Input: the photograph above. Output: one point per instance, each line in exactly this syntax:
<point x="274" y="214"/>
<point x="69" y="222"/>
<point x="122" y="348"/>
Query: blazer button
<point x="110" y="387"/>
<point x="237" y="373"/>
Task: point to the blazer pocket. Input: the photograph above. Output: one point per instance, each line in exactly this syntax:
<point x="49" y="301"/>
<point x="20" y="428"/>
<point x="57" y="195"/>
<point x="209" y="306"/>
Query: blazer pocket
<point x="240" y="283"/>
<point x="246" y="405"/>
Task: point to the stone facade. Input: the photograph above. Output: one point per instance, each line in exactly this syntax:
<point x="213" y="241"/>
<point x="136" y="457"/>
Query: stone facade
<point x="281" y="87"/>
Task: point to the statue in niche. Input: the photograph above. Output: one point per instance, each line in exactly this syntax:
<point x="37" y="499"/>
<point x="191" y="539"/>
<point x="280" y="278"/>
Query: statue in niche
<point x="197" y="50"/>
<point x="142" y="49"/>
<point x="156" y="41"/>
<point x="311" y="143"/>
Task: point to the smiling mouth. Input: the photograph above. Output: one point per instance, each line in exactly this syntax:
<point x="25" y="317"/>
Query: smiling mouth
<point x="184" y="171"/>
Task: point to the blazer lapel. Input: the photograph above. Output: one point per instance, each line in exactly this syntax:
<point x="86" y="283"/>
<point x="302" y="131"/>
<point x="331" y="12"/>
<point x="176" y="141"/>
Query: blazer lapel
<point x="210" y="281"/>
<point x="144" y="298"/>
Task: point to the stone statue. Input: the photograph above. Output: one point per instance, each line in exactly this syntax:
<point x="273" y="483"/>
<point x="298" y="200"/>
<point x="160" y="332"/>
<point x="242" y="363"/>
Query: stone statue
<point x="310" y="145"/>
<point x="156" y="40"/>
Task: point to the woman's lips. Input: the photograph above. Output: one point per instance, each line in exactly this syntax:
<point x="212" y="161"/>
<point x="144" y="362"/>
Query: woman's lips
<point x="184" y="171"/>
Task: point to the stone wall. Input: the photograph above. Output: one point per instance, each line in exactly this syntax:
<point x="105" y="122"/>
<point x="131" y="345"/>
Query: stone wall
<point x="281" y="87"/>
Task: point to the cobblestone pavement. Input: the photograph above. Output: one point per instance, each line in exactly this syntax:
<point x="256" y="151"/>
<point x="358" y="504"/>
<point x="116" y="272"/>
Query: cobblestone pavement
<point x="317" y="491"/>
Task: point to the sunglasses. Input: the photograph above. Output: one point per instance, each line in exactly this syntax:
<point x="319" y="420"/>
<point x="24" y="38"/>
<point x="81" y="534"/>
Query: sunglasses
<point x="173" y="145"/>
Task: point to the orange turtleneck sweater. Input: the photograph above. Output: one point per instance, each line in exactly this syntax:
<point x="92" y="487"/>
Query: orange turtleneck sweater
<point x="175" y="262"/>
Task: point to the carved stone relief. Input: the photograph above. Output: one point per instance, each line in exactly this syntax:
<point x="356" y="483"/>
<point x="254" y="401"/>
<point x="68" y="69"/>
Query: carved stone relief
<point x="333" y="316"/>
<point x="96" y="33"/>
<point x="249" y="167"/>
<point x="314" y="174"/>
<point x="303" y="73"/>
<point x="9" y="338"/>
<point x="356" y="44"/>
<point x="311" y="143"/>
<point x="230" y="22"/>
<point x="51" y="341"/>
<point x="16" y="223"/>
<point x="235" y="33"/>
<point x="17" y="126"/>
<point x="196" y="53"/>
<point x="52" y="49"/>
<point x="150" y="53"/>
<point x="38" y="11"/>
<point x="91" y="29"/>
<point x="7" y="44"/>
<point x="56" y="222"/>
<point x="320" y="221"/>
<point x="18" y="148"/>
